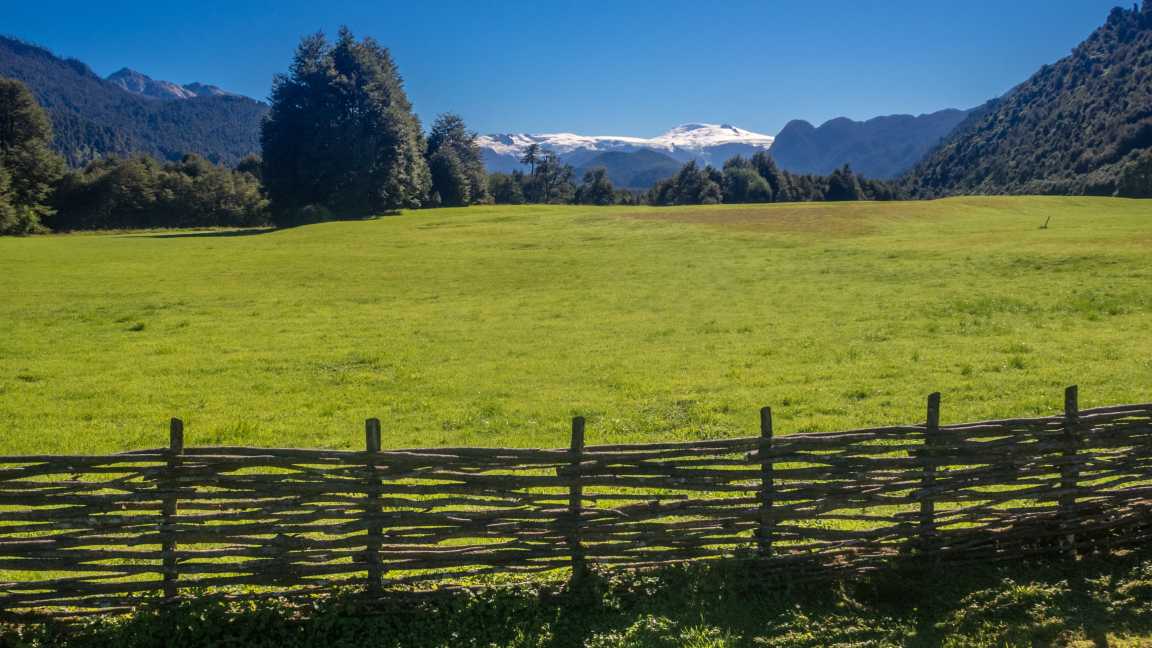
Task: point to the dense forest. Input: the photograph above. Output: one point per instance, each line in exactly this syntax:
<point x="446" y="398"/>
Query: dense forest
<point x="93" y="118"/>
<point x="1080" y="126"/>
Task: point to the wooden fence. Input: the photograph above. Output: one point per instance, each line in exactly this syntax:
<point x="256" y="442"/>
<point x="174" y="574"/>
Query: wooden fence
<point x="83" y="534"/>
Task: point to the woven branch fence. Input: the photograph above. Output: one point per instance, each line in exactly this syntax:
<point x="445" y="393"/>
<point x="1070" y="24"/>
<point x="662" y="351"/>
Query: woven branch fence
<point x="87" y="534"/>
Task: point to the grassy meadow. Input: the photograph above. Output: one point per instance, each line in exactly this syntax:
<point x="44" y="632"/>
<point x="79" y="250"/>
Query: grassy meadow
<point x="494" y="325"/>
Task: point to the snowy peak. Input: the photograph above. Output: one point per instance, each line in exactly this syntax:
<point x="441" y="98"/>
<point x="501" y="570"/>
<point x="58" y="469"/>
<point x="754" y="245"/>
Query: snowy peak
<point x="701" y="135"/>
<point x="705" y="143"/>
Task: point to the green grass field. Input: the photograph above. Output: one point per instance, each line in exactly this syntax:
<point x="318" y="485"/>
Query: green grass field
<point x="494" y="325"/>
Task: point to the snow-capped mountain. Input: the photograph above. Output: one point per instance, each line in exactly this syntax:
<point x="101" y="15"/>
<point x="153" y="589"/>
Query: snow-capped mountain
<point x="705" y="143"/>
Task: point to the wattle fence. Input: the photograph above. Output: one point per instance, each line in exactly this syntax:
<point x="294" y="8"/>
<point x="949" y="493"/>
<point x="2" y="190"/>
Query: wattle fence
<point x="85" y="534"/>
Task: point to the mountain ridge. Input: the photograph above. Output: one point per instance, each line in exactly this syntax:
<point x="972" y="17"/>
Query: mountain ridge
<point x="93" y="118"/>
<point x="882" y="147"/>
<point x="144" y="85"/>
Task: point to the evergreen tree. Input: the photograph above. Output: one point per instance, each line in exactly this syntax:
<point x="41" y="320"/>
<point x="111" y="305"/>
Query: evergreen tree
<point x="596" y="189"/>
<point x="843" y="185"/>
<point x="690" y="186"/>
<point x="451" y="186"/>
<point x="341" y="135"/>
<point x="506" y="189"/>
<point x="456" y="163"/>
<point x="743" y="184"/>
<point x="28" y="167"/>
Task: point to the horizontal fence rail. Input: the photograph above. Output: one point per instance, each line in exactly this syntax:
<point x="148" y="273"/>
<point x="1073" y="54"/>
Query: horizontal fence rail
<point x="82" y="534"/>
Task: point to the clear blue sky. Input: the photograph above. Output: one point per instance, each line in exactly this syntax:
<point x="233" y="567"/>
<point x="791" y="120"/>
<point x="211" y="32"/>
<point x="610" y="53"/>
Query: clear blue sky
<point x="600" y="67"/>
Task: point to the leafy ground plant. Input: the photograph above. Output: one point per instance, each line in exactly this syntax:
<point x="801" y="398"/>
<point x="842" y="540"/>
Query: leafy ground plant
<point x="1099" y="601"/>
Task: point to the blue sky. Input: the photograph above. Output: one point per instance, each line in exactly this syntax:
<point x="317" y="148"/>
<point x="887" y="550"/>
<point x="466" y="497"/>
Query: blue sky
<point x="600" y="67"/>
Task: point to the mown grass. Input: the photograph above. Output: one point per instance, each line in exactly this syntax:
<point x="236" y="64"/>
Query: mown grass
<point x="494" y="325"/>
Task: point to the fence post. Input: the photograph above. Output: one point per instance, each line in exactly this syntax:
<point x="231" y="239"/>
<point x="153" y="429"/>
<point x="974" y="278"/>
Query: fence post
<point x="576" y="500"/>
<point x="1070" y="470"/>
<point x="372" y="510"/>
<point x="169" y="507"/>
<point x="928" y="476"/>
<point x="767" y="485"/>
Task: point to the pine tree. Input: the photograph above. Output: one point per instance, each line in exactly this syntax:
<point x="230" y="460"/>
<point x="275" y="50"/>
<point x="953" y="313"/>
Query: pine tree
<point x="341" y="135"/>
<point x="843" y="185"/>
<point x="450" y="183"/>
<point x="456" y="163"/>
<point x="743" y="184"/>
<point x="506" y="189"/>
<point x="596" y="189"/>
<point x="28" y="166"/>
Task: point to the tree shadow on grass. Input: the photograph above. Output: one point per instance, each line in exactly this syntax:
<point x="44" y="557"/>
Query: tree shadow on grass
<point x="213" y="234"/>
<point x="256" y="231"/>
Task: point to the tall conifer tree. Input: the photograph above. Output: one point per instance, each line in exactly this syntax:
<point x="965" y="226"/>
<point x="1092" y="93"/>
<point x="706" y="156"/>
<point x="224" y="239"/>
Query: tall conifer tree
<point x="341" y="135"/>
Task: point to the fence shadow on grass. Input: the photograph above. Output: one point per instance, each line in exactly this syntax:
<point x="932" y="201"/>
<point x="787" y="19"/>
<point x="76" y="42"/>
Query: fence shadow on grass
<point x="718" y="604"/>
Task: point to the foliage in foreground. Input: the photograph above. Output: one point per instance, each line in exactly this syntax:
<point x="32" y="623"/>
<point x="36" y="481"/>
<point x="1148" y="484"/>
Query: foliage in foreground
<point x="722" y="605"/>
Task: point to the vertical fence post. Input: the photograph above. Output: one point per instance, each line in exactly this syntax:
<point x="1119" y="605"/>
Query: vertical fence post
<point x="169" y="507"/>
<point x="576" y="500"/>
<point x="767" y="485"/>
<point x="928" y="474"/>
<point x="1070" y="470"/>
<point x="372" y="510"/>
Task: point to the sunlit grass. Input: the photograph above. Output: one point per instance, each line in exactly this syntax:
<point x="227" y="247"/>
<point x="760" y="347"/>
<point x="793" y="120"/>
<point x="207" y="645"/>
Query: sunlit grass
<point x="494" y="325"/>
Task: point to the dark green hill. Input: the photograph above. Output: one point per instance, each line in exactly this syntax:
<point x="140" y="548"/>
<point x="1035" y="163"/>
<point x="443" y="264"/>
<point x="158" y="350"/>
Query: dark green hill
<point x="95" y="118"/>
<point x="1082" y="125"/>
<point x="634" y="169"/>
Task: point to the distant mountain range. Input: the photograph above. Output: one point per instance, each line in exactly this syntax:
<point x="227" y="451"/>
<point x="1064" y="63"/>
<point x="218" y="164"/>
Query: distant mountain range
<point x="1082" y="125"/>
<point x="94" y="117"/>
<point x="882" y="147"/>
<point x="705" y="143"/>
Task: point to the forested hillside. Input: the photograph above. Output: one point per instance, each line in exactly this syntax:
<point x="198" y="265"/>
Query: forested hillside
<point x="633" y="169"/>
<point x="1080" y="126"/>
<point x="94" y="118"/>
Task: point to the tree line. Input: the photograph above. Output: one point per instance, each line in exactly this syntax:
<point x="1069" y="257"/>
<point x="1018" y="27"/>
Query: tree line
<point x="341" y="140"/>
